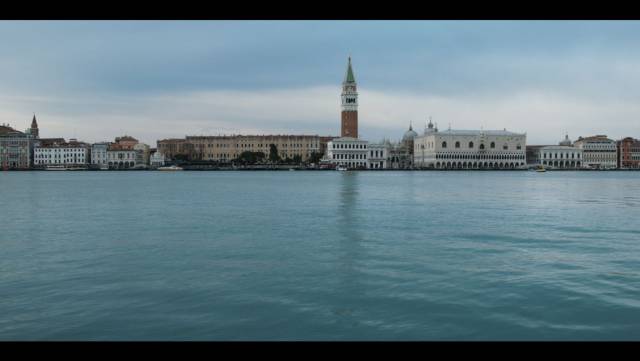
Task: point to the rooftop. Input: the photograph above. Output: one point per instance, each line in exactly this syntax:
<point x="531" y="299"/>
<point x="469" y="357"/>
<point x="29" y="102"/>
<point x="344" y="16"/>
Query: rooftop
<point x="475" y="132"/>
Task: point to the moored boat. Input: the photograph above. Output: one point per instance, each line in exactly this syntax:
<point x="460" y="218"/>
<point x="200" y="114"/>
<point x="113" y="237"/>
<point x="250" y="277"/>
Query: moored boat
<point x="170" y="168"/>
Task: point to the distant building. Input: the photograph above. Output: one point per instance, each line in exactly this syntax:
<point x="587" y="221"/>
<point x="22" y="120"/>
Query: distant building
<point x="121" y="157"/>
<point x="15" y="148"/>
<point x="349" y="114"/>
<point x="348" y="152"/>
<point x="143" y="153"/>
<point x="99" y="157"/>
<point x="628" y="153"/>
<point x="176" y="148"/>
<point x="378" y="157"/>
<point x="126" y="142"/>
<point x="469" y="149"/>
<point x="34" y="131"/>
<point x="561" y="156"/>
<point x="156" y="159"/>
<point x="72" y="153"/>
<point x="598" y="151"/>
<point x="533" y="154"/>
<point x="226" y="148"/>
<point x="401" y="153"/>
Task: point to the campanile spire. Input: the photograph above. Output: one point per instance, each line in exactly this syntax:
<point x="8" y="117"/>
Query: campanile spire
<point x="349" y="126"/>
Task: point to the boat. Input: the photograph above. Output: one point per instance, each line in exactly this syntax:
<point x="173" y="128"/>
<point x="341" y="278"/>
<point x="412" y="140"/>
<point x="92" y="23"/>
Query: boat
<point x="170" y="168"/>
<point x="541" y="170"/>
<point x="291" y="169"/>
<point x="65" y="167"/>
<point x="341" y="168"/>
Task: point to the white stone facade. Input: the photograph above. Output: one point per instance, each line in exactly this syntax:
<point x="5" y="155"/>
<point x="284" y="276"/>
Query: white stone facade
<point x="62" y="154"/>
<point x="470" y="149"/>
<point x="99" y="154"/>
<point x="348" y="152"/>
<point x="598" y="151"/>
<point x="378" y="156"/>
<point x="560" y="156"/>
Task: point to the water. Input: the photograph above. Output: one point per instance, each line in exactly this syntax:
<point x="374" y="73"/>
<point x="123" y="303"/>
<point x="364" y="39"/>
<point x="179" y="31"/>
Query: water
<point x="319" y="256"/>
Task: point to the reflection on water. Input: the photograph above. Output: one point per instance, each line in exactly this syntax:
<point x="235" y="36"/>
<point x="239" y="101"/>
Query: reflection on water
<point x="350" y="243"/>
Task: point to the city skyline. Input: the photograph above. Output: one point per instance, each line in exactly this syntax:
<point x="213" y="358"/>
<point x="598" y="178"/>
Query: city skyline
<point x="162" y="79"/>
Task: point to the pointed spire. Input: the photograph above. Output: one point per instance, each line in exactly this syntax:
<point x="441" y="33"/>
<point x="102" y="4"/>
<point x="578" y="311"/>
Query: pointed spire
<point x="34" y="123"/>
<point x="349" y="77"/>
<point x="410" y="125"/>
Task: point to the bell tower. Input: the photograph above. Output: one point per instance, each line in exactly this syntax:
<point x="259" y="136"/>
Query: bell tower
<point x="34" y="127"/>
<point x="349" y="124"/>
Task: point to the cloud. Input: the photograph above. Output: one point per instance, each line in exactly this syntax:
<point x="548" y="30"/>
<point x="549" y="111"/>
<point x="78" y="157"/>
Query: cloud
<point x="545" y="116"/>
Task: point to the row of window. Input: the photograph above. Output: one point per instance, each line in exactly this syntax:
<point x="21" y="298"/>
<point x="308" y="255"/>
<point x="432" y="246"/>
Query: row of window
<point x="349" y="156"/>
<point x="492" y="145"/>
<point x="58" y="150"/>
<point x="481" y="165"/>
<point x="249" y="145"/>
<point x="348" y="146"/>
<point x="562" y="155"/>
<point x="480" y="156"/>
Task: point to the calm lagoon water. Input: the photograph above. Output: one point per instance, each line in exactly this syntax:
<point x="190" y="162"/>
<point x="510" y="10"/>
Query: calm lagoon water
<point x="319" y="256"/>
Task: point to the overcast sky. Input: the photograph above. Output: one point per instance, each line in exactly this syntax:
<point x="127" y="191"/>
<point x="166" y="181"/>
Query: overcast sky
<point x="95" y="80"/>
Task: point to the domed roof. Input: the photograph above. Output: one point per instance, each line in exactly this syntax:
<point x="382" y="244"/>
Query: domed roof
<point x="566" y="141"/>
<point x="409" y="134"/>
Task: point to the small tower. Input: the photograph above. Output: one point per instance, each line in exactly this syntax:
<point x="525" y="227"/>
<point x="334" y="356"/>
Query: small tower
<point x="349" y="117"/>
<point x="34" y="127"/>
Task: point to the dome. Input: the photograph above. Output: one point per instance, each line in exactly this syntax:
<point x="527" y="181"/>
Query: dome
<point x="566" y="141"/>
<point x="409" y="134"/>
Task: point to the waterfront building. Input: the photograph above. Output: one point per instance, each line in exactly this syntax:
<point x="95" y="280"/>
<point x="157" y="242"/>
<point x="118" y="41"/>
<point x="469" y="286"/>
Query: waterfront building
<point x="598" y="151"/>
<point x="143" y="154"/>
<point x="561" y="156"/>
<point x="121" y="156"/>
<point x="175" y="148"/>
<point x="378" y="157"/>
<point x="156" y="159"/>
<point x="99" y="157"/>
<point x="15" y="148"/>
<point x="533" y="154"/>
<point x="628" y="153"/>
<point x="393" y="155"/>
<point x="469" y="149"/>
<point x="72" y="154"/>
<point x="226" y="148"/>
<point x="401" y="153"/>
<point x="348" y="152"/>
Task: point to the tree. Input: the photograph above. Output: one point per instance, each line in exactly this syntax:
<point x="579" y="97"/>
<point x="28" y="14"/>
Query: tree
<point x="249" y="157"/>
<point x="273" y="153"/>
<point x="315" y="157"/>
<point x="297" y="159"/>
